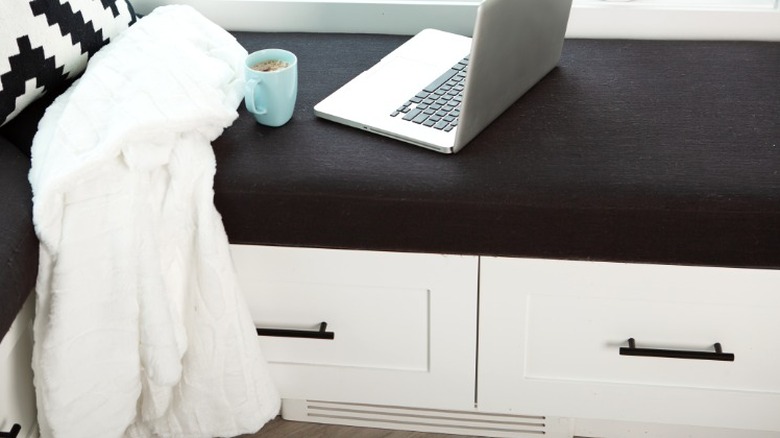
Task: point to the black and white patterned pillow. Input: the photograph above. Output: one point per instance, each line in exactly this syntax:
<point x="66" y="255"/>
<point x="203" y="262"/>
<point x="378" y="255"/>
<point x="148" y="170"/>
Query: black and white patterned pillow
<point x="46" y="43"/>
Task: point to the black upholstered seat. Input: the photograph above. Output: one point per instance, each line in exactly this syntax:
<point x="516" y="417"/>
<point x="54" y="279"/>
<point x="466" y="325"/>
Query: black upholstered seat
<point x="18" y="244"/>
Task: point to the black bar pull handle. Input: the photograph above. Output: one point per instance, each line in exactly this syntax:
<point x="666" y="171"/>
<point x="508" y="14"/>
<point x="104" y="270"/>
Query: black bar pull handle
<point x="13" y="433"/>
<point x="718" y="354"/>
<point x="308" y="334"/>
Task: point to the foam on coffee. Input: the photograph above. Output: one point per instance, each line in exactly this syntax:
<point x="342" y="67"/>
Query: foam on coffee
<point x="270" y="65"/>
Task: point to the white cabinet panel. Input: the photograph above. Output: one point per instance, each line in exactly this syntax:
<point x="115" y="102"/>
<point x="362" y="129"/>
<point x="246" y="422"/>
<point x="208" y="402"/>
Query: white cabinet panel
<point x="388" y="329"/>
<point x="551" y="332"/>
<point x="404" y="324"/>
<point x="586" y="347"/>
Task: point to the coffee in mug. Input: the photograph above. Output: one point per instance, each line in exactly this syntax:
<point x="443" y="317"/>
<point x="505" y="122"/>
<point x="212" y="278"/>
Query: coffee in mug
<point x="270" y="65"/>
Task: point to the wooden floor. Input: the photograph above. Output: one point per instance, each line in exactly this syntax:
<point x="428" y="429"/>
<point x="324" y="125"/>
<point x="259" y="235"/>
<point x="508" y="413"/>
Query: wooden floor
<point x="281" y="428"/>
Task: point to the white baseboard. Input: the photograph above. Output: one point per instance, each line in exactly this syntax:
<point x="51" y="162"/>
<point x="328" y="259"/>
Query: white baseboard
<point x="471" y="423"/>
<point x="474" y="423"/>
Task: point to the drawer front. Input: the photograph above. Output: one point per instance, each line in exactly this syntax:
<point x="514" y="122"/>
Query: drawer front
<point x="403" y="325"/>
<point x="373" y="327"/>
<point x="552" y="333"/>
<point x="582" y="338"/>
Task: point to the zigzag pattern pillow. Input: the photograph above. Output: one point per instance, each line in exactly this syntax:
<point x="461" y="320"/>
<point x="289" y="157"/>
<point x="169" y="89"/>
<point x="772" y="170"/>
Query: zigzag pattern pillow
<point x="46" y="43"/>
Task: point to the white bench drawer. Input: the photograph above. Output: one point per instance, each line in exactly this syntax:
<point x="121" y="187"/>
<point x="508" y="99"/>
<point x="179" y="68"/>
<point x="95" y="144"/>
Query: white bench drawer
<point x="551" y="333"/>
<point x="404" y="325"/>
<point x="588" y="346"/>
<point x="372" y="327"/>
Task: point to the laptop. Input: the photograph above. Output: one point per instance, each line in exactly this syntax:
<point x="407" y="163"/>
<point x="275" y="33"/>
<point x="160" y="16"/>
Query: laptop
<point x="439" y="90"/>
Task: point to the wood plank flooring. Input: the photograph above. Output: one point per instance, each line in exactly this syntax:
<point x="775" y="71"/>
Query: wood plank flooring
<point x="279" y="428"/>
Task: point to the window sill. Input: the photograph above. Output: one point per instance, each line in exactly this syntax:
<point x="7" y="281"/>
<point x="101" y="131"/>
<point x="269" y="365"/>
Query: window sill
<point x="588" y="20"/>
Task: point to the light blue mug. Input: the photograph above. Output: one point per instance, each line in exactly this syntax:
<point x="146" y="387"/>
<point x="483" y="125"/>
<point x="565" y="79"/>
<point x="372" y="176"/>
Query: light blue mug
<point x="270" y="95"/>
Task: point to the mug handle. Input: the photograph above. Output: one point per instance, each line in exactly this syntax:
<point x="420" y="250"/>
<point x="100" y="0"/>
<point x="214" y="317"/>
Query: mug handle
<point x="251" y="87"/>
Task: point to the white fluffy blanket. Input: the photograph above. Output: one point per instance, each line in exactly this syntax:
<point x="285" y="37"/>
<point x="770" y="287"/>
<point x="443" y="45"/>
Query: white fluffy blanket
<point x="140" y="327"/>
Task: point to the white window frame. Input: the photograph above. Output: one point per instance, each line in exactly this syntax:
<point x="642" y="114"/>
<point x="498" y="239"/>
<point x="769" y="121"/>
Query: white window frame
<point x="640" y="19"/>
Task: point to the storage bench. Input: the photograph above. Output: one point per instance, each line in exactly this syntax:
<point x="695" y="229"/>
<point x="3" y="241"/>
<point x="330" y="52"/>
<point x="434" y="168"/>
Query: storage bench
<point x="640" y="152"/>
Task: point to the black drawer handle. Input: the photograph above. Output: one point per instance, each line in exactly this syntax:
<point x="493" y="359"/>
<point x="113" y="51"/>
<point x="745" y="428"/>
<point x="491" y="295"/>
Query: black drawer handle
<point x="308" y="334"/>
<point x="632" y="350"/>
<point x="13" y="433"/>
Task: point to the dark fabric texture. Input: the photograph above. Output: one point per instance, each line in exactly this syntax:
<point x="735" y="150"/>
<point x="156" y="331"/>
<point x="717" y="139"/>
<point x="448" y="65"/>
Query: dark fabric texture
<point x="18" y="243"/>
<point x="633" y="151"/>
<point x="45" y="43"/>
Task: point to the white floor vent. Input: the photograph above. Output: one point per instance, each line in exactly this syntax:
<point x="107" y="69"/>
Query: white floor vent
<point x="415" y="419"/>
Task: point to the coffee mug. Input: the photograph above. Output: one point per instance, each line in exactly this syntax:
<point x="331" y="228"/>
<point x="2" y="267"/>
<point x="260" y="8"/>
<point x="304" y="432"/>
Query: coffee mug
<point x="270" y="95"/>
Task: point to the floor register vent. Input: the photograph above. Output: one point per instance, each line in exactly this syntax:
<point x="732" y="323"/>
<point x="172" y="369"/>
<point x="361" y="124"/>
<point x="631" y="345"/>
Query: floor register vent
<point x="414" y="419"/>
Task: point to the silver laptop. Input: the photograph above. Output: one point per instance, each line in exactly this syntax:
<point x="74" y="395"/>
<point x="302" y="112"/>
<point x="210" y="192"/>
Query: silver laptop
<point x="439" y="90"/>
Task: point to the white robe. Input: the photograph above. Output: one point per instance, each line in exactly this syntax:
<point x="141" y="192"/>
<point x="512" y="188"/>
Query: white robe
<point x="141" y="329"/>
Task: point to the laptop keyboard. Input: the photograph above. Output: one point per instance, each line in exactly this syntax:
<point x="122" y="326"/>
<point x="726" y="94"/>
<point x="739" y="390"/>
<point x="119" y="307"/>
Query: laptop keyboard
<point x="438" y="105"/>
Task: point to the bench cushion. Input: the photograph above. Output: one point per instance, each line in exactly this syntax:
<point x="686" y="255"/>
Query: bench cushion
<point x="18" y="244"/>
<point x="629" y="151"/>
